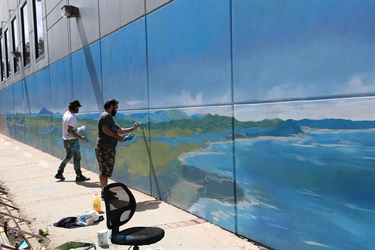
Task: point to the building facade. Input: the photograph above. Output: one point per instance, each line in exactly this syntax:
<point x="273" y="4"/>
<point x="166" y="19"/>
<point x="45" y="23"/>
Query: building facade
<point x="258" y="116"/>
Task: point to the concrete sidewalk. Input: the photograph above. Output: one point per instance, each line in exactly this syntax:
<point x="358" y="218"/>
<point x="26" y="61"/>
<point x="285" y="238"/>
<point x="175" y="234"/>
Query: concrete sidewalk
<point x="28" y="175"/>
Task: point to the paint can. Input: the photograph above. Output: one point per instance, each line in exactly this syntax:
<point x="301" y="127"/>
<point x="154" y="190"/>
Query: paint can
<point x="103" y="238"/>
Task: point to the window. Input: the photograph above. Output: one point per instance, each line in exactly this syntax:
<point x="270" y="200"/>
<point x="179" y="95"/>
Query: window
<point x="6" y="51"/>
<point x="2" y="55"/>
<point x="15" y="43"/>
<point x="25" y="36"/>
<point x="38" y="29"/>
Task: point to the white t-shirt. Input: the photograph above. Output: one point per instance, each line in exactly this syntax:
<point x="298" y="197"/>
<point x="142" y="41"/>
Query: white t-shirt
<point x="68" y="119"/>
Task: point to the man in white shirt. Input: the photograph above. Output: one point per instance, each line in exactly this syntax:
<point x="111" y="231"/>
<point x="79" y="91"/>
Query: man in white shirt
<point x="71" y="143"/>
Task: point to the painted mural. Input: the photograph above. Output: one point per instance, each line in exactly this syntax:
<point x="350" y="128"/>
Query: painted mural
<point x="258" y="116"/>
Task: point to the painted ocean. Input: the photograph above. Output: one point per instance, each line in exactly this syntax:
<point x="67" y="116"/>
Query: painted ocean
<point x="315" y="191"/>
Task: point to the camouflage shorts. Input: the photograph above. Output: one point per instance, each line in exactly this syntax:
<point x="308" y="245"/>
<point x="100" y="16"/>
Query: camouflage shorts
<point x="106" y="160"/>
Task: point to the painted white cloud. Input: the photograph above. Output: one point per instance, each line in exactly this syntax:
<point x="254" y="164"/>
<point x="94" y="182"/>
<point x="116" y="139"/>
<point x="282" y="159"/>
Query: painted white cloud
<point x="347" y="108"/>
<point x="225" y="98"/>
<point x="356" y="84"/>
<point x="285" y="91"/>
<point x="186" y="98"/>
<point x="313" y="243"/>
<point x="135" y="102"/>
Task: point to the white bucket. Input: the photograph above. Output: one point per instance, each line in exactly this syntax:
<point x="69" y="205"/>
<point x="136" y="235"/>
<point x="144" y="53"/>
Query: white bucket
<point x="103" y="238"/>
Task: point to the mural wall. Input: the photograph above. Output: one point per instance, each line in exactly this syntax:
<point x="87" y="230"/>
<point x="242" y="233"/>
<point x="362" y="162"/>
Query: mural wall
<point x="258" y="116"/>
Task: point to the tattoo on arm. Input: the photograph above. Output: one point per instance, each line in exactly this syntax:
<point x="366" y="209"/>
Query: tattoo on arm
<point x="72" y="132"/>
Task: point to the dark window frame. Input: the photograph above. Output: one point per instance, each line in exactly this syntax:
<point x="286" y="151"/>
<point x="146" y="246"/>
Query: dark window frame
<point x="25" y="34"/>
<point x="38" y="33"/>
<point x="7" y="59"/>
<point x="15" y="41"/>
<point x="2" y="67"/>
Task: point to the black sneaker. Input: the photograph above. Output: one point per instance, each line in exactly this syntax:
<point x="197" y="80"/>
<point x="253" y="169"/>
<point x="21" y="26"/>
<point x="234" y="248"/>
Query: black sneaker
<point x="82" y="178"/>
<point x="59" y="176"/>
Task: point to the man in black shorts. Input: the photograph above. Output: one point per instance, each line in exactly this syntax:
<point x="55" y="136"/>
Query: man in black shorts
<point x="109" y="133"/>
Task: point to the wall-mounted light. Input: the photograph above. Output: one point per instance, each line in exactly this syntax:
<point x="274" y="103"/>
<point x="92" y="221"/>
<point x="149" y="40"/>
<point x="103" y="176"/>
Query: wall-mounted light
<point x="16" y="54"/>
<point x="69" y="11"/>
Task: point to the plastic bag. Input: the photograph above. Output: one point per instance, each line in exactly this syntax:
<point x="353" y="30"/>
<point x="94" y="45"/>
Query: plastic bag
<point x="87" y="218"/>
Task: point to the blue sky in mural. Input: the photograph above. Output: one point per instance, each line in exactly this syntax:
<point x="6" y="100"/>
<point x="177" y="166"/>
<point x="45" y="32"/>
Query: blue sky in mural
<point x="124" y="66"/>
<point x="301" y="49"/>
<point x="282" y="50"/>
<point x="189" y="54"/>
<point x="38" y="85"/>
<point x="7" y="105"/>
<point x="19" y="95"/>
<point x="61" y="90"/>
<point x="87" y="80"/>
